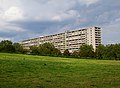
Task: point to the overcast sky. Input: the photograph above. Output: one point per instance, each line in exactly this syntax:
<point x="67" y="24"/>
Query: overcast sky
<point x="24" y="19"/>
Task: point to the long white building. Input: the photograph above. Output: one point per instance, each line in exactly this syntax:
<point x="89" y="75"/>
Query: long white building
<point x="70" y="40"/>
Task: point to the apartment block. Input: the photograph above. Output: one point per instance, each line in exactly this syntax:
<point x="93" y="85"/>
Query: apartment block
<point x="71" y="40"/>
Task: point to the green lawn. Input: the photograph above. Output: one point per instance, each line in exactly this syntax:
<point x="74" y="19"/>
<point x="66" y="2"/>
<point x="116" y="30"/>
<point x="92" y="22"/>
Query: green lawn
<point x="26" y="71"/>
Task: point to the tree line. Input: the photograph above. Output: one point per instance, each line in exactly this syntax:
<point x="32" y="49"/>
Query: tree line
<point x="108" y="52"/>
<point x="102" y="52"/>
<point x="46" y="49"/>
<point x="7" y="46"/>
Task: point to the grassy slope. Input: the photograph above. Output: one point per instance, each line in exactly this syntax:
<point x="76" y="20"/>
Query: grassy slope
<point x="27" y="71"/>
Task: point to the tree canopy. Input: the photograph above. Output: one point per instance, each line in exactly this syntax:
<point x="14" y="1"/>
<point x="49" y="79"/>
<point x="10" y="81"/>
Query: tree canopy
<point x="86" y="51"/>
<point x="6" y="46"/>
<point x="46" y="49"/>
<point x="66" y="53"/>
<point x="109" y="52"/>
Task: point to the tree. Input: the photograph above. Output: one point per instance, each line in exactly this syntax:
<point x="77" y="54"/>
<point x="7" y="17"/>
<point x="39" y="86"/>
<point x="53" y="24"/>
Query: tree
<point x="34" y="50"/>
<point x="75" y="54"/>
<point x="66" y="53"/>
<point x="56" y="52"/>
<point x="112" y="52"/>
<point x="1" y="47"/>
<point x="26" y="51"/>
<point x="6" y="46"/>
<point x="46" y="49"/>
<point x="100" y="52"/>
<point x="18" y="48"/>
<point x="86" y="51"/>
<point x="117" y="49"/>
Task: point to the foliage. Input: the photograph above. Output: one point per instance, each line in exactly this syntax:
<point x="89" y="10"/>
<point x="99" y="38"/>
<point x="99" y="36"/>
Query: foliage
<point x="112" y="52"/>
<point x="86" y="51"/>
<point x="109" y="52"/>
<point x="46" y="49"/>
<point x="75" y="54"/>
<point x="26" y="51"/>
<point x="6" y="46"/>
<point x="18" y="48"/>
<point x="100" y="52"/>
<point x="66" y="53"/>
<point x="56" y="52"/>
<point x="34" y="50"/>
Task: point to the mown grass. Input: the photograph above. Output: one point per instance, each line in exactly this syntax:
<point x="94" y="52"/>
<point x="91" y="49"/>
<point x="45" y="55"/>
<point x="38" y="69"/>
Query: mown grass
<point x="27" y="71"/>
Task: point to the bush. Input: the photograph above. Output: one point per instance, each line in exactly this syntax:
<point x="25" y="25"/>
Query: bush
<point x="66" y="53"/>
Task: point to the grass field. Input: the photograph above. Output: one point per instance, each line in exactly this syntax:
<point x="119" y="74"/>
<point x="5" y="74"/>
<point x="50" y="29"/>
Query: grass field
<point x="26" y="71"/>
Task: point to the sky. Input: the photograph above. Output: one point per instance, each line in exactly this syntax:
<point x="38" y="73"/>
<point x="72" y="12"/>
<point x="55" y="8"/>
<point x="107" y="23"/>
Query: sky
<point x="26" y="19"/>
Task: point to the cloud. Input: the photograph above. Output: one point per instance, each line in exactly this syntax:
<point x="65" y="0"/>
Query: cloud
<point x="88" y="2"/>
<point x="5" y="4"/>
<point x="12" y="14"/>
<point x="10" y="27"/>
<point x="111" y="32"/>
<point x="18" y="10"/>
<point x="67" y="15"/>
<point x="108" y="16"/>
<point x="22" y="19"/>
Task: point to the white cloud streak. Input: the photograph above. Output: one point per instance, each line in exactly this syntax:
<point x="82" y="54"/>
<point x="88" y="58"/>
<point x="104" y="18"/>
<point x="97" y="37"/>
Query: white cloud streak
<point x="12" y="14"/>
<point x="10" y="27"/>
<point x="88" y="2"/>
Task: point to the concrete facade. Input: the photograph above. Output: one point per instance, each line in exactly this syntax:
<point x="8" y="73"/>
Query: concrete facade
<point x="70" y="40"/>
